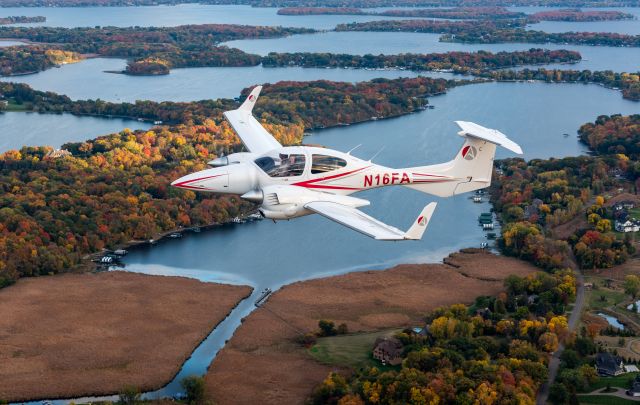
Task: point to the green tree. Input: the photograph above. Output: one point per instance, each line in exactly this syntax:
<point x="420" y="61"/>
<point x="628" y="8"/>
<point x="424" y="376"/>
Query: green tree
<point x="194" y="389"/>
<point x="570" y="358"/>
<point x="558" y="393"/>
<point x="631" y="285"/>
<point x="129" y="395"/>
<point x="327" y="328"/>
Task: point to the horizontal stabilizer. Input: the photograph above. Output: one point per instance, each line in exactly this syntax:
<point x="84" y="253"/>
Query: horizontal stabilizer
<point x="490" y="135"/>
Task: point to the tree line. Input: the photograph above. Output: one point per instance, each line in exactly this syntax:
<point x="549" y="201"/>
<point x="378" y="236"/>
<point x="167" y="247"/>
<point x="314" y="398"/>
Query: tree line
<point x="492" y="352"/>
<point x="466" y="13"/>
<point x="459" y="62"/>
<point x="493" y="31"/>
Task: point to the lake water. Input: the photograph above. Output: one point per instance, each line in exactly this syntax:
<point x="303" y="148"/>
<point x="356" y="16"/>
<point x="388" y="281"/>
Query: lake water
<point x="168" y="16"/>
<point x="33" y="129"/>
<point x="227" y="14"/>
<point x="595" y="57"/>
<point x="10" y="43"/>
<point x="612" y="321"/>
<point x="87" y="80"/>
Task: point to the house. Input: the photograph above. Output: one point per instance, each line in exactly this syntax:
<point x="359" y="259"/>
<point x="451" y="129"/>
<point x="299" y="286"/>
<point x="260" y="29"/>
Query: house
<point x="388" y="350"/>
<point x="57" y="153"/>
<point x="628" y="226"/>
<point x="609" y="365"/>
<point x="532" y="299"/>
<point x="621" y="215"/>
<point x="623" y="205"/>
<point x="485" y="313"/>
<point x="588" y="286"/>
<point x="635" y="388"/>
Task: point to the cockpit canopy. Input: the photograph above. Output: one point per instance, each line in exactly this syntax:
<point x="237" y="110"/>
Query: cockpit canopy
<point x="281" y="163"/>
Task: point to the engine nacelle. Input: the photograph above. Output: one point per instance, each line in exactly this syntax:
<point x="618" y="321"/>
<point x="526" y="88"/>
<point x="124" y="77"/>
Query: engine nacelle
<point x="284" y="202"/>
<point x="233" y="158"/>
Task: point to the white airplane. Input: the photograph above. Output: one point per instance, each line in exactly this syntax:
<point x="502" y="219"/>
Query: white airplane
<point x="293" y="181"/>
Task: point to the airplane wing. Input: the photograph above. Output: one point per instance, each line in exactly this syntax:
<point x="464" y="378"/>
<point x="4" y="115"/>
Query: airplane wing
<point x="363" y="223"/>
<point x="251" y="132"/>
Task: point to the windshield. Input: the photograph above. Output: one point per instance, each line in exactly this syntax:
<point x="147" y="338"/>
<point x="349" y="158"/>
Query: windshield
<point x="282" y="164"/>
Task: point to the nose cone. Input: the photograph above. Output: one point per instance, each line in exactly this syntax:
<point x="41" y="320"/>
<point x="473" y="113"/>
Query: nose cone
<point x="213" y="180"/>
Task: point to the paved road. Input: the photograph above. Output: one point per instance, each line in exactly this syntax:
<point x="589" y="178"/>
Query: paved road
<point x="617" y="392"/>
<point x="554" y="362"/>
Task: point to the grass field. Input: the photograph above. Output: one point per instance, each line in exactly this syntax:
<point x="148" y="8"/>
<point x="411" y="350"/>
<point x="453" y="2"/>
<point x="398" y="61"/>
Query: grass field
<point x="612" y="298"/>
<point x="12" y="106"/>
<point x="352" y="350"/>
<point x="621" y="381"/>
<point x="604" y="400"/>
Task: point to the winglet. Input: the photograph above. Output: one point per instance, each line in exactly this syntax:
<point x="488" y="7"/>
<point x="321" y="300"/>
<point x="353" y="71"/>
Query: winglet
<point x="417" y="229"/>
<point x="251" y="100"/>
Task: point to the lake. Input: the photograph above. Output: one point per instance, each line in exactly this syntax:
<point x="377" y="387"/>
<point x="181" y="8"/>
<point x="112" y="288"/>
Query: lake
<point x="162" y="16"/>
<point x="87" y="80"/>
<point x="594" y="57"/>
<point x="169" y="16"/>
<point x="33" y="129"/>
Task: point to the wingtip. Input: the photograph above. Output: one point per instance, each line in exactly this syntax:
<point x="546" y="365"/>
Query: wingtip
<point x="422" y="222"/>
<point x="251" y="100"/>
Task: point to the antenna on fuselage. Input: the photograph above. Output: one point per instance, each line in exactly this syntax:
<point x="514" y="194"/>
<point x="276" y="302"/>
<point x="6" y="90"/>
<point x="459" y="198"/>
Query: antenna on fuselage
<point x="354" y="148"/>
<point x="377" y="153"/>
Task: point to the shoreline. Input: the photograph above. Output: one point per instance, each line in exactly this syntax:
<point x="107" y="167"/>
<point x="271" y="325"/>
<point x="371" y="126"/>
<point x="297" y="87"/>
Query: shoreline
<point x="262" y="349"/>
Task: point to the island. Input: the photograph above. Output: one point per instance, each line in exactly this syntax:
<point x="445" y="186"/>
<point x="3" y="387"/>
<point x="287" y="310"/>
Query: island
<point x="22" y="20"/>
<point x="493" y="31"/>
<point x="577" y="15"/>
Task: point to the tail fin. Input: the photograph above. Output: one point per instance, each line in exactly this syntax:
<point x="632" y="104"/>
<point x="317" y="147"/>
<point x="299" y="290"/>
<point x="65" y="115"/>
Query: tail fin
<point x="417" y="229"/>
<point x="471" y="168"/>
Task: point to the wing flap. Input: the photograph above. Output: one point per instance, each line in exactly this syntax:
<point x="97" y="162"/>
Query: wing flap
<point x="365" y="224"/>
<point x="252" y="134"/>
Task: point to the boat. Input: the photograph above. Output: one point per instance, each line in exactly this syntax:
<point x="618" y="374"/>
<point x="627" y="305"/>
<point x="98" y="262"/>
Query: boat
<point x="484" y="245"/>
<point x="196" y="229"/>
<point x="175" y="235"/>
<point x="477" y="199"/>
<point x="263" y="296"/>
<point x="237" y="220"/>
<point x="255" y="217"/>
<point x="491" y="235"/>
<point x="487" y="226"/>
<point x="120" y="252"/>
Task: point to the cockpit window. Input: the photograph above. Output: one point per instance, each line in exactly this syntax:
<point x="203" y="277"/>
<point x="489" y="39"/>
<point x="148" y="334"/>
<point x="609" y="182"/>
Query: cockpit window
<point x="324" y="163"/>
<point x="282" y="164"/>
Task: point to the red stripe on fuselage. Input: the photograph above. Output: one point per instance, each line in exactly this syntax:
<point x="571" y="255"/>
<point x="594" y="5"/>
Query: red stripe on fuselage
<point x="185" y="184"/>
<point x="311" y="183"/>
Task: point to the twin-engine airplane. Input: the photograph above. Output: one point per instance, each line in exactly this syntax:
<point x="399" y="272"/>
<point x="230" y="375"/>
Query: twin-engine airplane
<point x="293" y="181"/>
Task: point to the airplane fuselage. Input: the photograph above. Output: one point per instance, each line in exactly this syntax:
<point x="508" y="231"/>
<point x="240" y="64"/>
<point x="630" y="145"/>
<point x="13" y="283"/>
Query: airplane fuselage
<point x="312" y="168"/>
